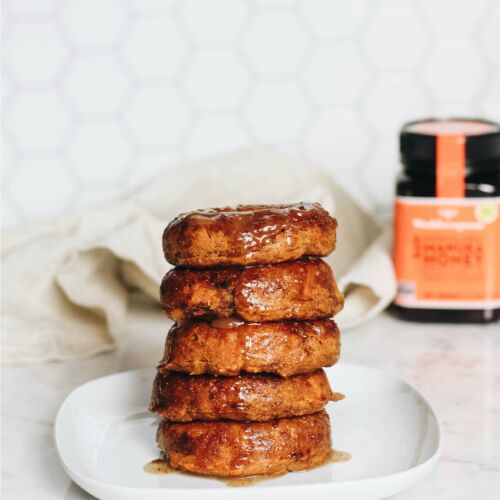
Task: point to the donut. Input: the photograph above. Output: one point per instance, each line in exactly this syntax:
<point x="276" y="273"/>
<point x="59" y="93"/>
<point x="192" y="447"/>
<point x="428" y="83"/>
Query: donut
<point x="239" y="449"/>
<point x="301" y="289"/>
<point x="230" y="347"/>
<point x="249" y="234"/>
<point x="179" y="397"/>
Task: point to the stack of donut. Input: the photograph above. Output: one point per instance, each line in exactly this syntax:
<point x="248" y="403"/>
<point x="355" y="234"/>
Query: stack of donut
<point x="240" y="388"/>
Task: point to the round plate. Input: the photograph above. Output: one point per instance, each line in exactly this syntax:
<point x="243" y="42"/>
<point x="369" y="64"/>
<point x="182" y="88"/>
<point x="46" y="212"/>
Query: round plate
<point x="105" y="436"/>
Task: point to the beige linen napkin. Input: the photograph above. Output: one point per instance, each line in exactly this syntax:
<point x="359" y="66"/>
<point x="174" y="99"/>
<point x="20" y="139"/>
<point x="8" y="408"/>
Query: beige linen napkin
<point x="66" y="282"/>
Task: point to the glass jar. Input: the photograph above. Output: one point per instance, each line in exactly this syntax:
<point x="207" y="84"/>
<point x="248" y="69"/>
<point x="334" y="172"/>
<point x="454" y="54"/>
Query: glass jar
<point x="447" y="221"/>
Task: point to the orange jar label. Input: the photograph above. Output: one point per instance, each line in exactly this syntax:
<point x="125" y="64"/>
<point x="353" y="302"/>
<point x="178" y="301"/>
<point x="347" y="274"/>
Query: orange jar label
<point x="450" y="166"/>
<point x="447" y="252"/>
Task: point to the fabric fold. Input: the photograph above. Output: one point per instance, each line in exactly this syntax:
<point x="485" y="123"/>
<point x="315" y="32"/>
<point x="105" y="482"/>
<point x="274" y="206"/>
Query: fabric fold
<point x="67" y="281"/>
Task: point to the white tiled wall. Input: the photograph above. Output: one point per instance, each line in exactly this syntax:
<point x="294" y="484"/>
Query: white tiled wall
<point x="101" y="95"/>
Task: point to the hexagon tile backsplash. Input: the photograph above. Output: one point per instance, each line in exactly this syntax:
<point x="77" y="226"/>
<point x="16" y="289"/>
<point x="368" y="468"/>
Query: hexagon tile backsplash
<point x="101" y="95"/>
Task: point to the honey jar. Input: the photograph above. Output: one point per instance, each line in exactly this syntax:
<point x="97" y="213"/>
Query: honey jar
<point x="447" y="221"/>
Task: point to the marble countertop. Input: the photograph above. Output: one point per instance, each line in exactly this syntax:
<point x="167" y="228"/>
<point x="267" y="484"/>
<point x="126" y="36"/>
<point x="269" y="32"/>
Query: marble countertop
<point x="457" y="367"/>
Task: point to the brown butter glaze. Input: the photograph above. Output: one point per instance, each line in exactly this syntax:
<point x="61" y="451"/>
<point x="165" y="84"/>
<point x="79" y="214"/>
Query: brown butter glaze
<point x="239" y="449"/>
<point x="158" y="466"/>
<point x="249" y="234"/>
<point x="228" y="323"/>
<point x="258" y="397"/>
<point x="161" y="466"/>
<point x="284" y="348"/>
<point x="301" y="289"/>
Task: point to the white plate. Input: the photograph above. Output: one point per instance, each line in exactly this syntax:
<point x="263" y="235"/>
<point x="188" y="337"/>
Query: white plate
<point x="105" y="437"/>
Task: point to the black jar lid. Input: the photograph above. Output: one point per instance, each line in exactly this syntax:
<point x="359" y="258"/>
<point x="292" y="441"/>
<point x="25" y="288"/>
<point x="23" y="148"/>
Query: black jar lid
<point x="417" y="142"/>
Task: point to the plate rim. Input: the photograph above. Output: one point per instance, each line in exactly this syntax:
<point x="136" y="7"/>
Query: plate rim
<point x="82" y="479"/>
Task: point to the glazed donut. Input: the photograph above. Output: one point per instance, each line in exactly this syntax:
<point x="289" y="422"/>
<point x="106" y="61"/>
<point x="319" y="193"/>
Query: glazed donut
<point x="229" y="347"/>
<point x="179" y="397"/>
<point x="249" y="234"/>
<point x="301" y="289"/>
<point x="239" y="449"/>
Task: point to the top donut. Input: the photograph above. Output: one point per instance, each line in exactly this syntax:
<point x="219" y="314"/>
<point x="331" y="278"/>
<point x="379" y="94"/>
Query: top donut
<point x="249" y="234"/>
